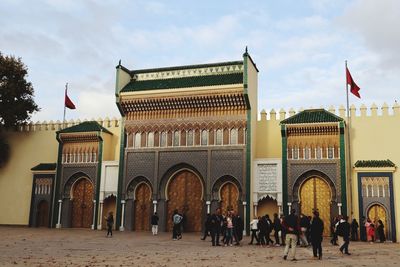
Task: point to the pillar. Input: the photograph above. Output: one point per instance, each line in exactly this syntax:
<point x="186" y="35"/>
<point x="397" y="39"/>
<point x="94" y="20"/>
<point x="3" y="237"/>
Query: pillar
<point x="94" y="214"/>
<point x="289" y="206"/>
<point x="255" y="205"/>
<point x="208" y="203"/>
<point x="244" y="217"/>
<point x="58" y="225"/>
<point x="279" y="209"/>
<point x="154" y="206"/>
<point x="339" y="208"/>
<point x="121" y="228"/>
<point x="101" y="215"/>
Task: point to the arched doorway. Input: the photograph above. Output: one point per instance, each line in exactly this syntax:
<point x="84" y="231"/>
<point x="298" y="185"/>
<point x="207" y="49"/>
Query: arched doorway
<point x="82" y="204"/>
<point x="142" y="207"/>
<point x="229" y="196"/>
<point x="184" y="191"/>
<point x="43" y="214"/>
<point x="109" y="204"/>
<point x="315" y="194"/>
<point x="377" y="212"/>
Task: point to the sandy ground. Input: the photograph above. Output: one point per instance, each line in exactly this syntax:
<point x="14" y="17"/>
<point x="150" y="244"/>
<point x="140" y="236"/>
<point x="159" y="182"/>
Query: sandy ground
<point x="20" y="246"/>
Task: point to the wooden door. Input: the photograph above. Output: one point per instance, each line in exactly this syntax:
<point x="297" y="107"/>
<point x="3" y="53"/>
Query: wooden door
<point x="377" y="212"/>
<point x="142" y="208"/>
<point x="229" y="196"/>
<point x="43" y="214"/>
<point x="315" y="194"/>
<point x="185" y="194"/>
<point x="82" y="204"/>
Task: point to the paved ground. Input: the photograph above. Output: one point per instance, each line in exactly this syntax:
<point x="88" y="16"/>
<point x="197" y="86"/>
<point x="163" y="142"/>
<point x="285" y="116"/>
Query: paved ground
<point x="70" y="247"/>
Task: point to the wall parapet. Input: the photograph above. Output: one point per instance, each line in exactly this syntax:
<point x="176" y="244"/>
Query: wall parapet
<point x="58" y="125"/>
<point x="361" y="112"/>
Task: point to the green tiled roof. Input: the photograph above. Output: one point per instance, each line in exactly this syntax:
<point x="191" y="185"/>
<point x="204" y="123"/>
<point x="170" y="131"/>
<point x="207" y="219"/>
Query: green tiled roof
<point x="374" y="163"/>
<point x="209" y="65"/>
<point x="87" y="126"/>
<point x="195" y="81"/>
<point x="312" y="116"/>
<point x="45" y="167"/>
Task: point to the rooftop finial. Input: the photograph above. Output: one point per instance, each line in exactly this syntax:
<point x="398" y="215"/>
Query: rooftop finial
<point x="246" y="50"/>
<point x="119" y="62"/>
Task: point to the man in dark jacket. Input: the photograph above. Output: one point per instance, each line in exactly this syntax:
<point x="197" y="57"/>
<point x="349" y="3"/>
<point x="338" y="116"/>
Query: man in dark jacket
<point x="343" y="232"/>
<point x="207" y="227"/>
<point x="316" y="229"/>
<point x="215" y="226"/>
<point x="292" y="227"/>
<point x="277" y="228"/>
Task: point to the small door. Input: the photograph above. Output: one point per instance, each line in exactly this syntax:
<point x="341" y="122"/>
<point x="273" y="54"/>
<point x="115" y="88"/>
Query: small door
<point x="229" y="196"/>
<point x="142" y="207"/>
<point x="82" y="204"/>
<point x="109" y="204"/>
<point x="43" y="214"/>
<point x="377" y="212"/>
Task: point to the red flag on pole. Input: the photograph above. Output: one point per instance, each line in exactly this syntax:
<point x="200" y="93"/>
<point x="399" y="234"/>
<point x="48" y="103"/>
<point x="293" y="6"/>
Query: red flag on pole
<point x="353" y="86"/>
<point x="68" y="103"/>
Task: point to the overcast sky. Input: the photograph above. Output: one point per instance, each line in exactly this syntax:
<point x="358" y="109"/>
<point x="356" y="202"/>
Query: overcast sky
<point x="299" y="47"/>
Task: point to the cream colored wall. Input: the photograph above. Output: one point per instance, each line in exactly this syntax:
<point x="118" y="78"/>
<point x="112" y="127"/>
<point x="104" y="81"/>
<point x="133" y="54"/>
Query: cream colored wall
<point x="28" y="149"/>
<point x="269" y="141"/>
<point x="111" y="144"/>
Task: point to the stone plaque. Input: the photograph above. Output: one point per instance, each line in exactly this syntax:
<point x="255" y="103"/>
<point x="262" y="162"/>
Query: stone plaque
<point x="267" y="177"/>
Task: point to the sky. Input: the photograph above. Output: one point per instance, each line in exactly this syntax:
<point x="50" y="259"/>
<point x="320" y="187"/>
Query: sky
<point x="299" y="46"/>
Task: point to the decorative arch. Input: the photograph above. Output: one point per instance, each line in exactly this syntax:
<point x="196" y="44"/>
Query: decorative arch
<point x="69" y="185"/>
<point x="305" y="176"/>
<point x="216" y="187"/>
<point x="134" y="183"/>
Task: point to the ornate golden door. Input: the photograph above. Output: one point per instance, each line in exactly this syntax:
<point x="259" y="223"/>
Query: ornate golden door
<point x="184" y="193"/>
<point x="82" y="204"/>
<point x="377" y="212"/>
<point x="229" y="195"/>
<point x="315" y="194"/>
<point x="43" y="214"/>
<point x="142" y="208"/>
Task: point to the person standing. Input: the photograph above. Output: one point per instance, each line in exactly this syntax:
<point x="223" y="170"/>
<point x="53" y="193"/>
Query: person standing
<point x="215" y="228"/>
<point x="381" y="231"/>
<point x="262" y="227"/>
<point x="363" y="231"/>
<point x="254" y="229"/>
<point x="176" y="221"/>
<point x="304" y="225"/>
<point x="277" y="228"/>
<point x="270" y="226"/>
<point x="343" y="231"/>
<point x="229" y="230"/>
<point x="239" y="227"/>
<point x="291" y="224"/>
<point x="154" y="223"/>
<point x="316" y="231"/>
<point x="354" y="230"/>
<point x="110" y="223"/>
<point x="369" y="231"/>
<point x="283" y="230"/>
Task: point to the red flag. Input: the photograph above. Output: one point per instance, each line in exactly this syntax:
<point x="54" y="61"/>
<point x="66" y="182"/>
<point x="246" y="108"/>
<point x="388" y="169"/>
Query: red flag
<point x="353" y="86"/>
<point x="68" y="103"/>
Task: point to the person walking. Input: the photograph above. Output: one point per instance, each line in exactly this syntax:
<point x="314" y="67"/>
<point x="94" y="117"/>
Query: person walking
<point x="334" y="223"/>
<point x="283" y="230"/>
<point x="110" y="223"/>
<point x="363" y="231"/>
<point x="291" y="224"/>
<point x="254" y="230"/>
<point x="304" y="225"/>
<point x="154" y="223"/>
<point x="381" y="231"/>
<point x="262" y="227"/>
<point x="215" y="228"/>
<point x="354" y="230"/>
<point x="239" y="227"/>
<point x="316" y="231"/>
<point x="176" y="221"/>
<point x="207" y="227"/>
<point x="343" y="232"/>
<point x="277" y="228"/>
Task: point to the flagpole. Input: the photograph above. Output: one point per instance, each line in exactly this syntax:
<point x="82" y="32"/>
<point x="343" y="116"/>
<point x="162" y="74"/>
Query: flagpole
<point x="349" y="172"/>
<point x="65" y="108"/>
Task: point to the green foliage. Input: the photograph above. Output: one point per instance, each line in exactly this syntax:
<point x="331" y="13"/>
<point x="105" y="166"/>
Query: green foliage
<point x="16" y="93"/>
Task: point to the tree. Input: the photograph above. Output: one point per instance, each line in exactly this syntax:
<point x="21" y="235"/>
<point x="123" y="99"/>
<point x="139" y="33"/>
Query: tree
<point x="16" y="98"/>
<point x="16" y="93"/>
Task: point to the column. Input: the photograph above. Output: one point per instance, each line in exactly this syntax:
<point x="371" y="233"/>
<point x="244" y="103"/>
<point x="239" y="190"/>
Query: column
<point x="339" y="208"/>
<point x="255" y="204"/>
<point x="94" y="213"/>
<point x="208" y="203"/>
<point x="58" y="225"/>
<point x="279" y="210"/>
<point x="154" y="206"/>
<point x="101" y="216"/>
<point x="121" y="228"/>
<point x="289" y="206"/>
<point x="244" y="217"/>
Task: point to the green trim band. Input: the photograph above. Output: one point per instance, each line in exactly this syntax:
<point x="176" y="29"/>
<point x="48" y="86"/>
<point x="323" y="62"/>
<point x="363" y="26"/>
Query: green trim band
<point x="98" y="180"/>
<point x="284" y="171"/>
<point x="343" y="179"/>
<point x="120" y="174"/>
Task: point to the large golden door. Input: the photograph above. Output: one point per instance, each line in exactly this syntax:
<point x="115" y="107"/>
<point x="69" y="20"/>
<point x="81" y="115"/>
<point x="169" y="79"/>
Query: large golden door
<point x="142" y="208"/>
<point x="229" y="197"/>
<point x="315" y="194"/>
<point x="82" y="204"/>
<point x="184" y="193"/>
<point x="377" y="212"/>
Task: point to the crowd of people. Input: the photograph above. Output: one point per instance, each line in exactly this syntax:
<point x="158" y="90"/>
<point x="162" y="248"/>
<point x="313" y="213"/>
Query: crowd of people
<point x="226" y="229"/>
